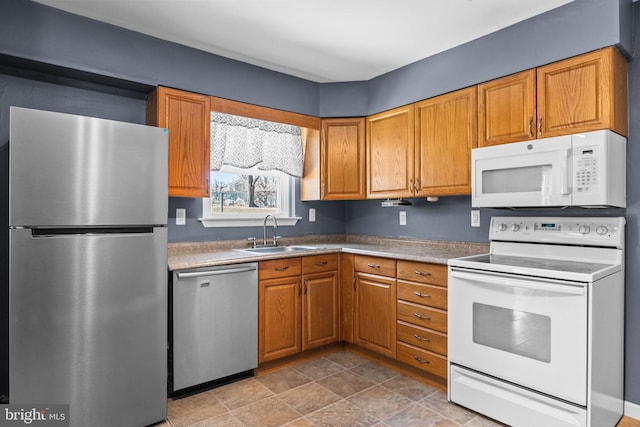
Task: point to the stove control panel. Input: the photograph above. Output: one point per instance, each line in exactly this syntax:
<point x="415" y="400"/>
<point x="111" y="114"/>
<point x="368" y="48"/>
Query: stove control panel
<point x="589" y="231"/>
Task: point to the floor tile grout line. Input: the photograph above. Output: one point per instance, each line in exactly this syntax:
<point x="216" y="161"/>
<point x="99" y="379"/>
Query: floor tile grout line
<point x="348" y="367"/>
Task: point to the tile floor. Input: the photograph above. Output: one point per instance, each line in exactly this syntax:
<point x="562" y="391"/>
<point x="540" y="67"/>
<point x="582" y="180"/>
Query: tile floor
<point x="337" y="389"/>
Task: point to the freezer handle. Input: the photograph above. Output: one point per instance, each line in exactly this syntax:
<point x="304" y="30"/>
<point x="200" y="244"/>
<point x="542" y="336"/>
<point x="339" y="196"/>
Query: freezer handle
<point x="215" y="272"/>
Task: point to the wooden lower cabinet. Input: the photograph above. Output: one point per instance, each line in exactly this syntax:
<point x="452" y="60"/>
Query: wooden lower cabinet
<point x="279" y="290"/>
<point x="422" y="316"/>
<point x="395" y="308"/>
<point x="375" y="305"/>
<point x="320" y="307"/>
<point x="298" y="305"/>
<point x="427" y="361"/>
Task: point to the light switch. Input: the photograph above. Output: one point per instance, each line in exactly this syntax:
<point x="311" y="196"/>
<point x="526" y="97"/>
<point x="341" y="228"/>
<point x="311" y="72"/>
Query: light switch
<point x="181" y="216"/>
<point x="312" y="215"/>
<point x="403" y="217"/>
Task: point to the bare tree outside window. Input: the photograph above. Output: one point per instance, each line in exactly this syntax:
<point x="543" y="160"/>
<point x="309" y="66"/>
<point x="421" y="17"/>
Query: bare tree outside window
<point x="240" y="193"/>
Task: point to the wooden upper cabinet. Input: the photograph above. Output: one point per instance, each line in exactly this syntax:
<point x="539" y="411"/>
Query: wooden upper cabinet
<point x="507" y="109"/>
<point x="584" y="93"/>
<point x="342" y="159"/>
<point x="390" y="153"/>
<point x="446" y="131"/>
<point x="187" y="116"/>
<point x="580" y="94"/>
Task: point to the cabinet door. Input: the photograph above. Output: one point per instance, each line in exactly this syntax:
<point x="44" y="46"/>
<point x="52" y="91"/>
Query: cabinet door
<point x="187" y="116"/>
<point x="343" y="159"/>
<point x="584" y="93"/>
<point x="278" y="318"/>
<point x="320" y="309"/>
<point x="375" y="313"/>
<point x="390" y="156"/>
<point x="507" y="109"/>
<point x="446" y="131"/>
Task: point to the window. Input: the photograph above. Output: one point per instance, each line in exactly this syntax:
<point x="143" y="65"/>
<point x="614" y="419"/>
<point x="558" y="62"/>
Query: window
<point x="253" y="141"/>
<point x="243" y="197"/>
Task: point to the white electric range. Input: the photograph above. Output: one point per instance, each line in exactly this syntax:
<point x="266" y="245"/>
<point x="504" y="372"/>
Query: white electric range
<point x="536" y="326"/>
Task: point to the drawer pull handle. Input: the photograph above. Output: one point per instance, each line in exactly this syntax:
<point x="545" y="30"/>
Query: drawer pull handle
<point x="321" y="263"/>
<point x="419" y="360"/>
<point x="419" y="338"/>
<point x="285" y="268"/>
<point x="422" y="317"/>
<point x="422" y="273"/>
<point x="418" y="294"/>
<point x="373" y="265"/>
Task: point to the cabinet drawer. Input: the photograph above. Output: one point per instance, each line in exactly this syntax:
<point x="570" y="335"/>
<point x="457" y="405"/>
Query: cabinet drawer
<point x="279" y="268"/>
<point x="434" y="296"/>
<point x="319" y="263"/>
<point x="375" y="265"/>
<point x="422" y="337"/>
<point x="420" y="315"/>
<point x="422" y="359"/>
<point x="434" y="274"/>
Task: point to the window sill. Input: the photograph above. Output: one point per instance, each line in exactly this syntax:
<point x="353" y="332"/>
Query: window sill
<point x="246" y="222"/>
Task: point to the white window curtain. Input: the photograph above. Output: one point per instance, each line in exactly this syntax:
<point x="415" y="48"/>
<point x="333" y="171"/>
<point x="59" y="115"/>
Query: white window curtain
<point x="244" y="142"/>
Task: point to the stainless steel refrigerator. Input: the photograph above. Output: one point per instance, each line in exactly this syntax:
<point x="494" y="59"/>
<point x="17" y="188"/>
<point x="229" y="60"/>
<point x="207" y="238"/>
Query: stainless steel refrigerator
<point x="88" y="267"/>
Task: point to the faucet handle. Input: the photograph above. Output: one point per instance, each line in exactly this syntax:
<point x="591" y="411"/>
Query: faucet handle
<point x="275" y="240"/>
<point x="253" y="241"/>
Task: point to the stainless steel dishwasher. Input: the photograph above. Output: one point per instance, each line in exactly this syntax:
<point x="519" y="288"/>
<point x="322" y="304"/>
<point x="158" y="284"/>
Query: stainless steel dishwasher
<point x="214" y="314"/>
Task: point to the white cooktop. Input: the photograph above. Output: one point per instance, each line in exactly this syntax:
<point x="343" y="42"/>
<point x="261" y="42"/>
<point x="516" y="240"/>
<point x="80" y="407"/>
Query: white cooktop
<point x="570" y="248"/>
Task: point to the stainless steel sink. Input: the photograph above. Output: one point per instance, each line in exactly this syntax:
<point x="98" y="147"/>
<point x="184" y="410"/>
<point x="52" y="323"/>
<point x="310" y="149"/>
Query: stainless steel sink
<point x="278" y="249"/>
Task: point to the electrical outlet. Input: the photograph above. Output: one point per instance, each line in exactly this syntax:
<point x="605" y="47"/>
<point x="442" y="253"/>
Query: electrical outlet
<point x="181" y="216"/>
<point x="475" y="218"/>
<point x="403" y="217"/>
<point x="312" y="215"/>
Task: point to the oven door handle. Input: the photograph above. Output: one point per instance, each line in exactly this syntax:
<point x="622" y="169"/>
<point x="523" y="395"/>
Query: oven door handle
<point x="504" y="282"/>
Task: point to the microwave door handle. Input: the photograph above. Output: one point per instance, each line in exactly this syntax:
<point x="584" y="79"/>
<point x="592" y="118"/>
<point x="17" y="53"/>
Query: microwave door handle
<point x="564" y="173"/>
<point x="506" y="282"/>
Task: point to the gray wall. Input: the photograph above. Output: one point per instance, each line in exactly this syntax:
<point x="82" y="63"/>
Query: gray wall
<point x="82" y="66"/>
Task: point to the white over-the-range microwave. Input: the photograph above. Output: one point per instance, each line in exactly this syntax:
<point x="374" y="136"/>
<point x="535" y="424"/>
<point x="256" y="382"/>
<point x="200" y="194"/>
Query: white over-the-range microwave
<point x="585" y="169"/>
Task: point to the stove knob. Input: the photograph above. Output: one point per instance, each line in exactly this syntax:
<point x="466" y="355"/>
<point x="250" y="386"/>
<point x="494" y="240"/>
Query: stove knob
<point x="502" y="227"/>
<point x="515" y="227"/>
<point x="584" y="229"/>
<point x="602" y="229"/>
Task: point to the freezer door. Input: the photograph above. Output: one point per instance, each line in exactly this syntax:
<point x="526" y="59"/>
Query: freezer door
<point x="68" y="170"/>
<point x="88" y="325"/>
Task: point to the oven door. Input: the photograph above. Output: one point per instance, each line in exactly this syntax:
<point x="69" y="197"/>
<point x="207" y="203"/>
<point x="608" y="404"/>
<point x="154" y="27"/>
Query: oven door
<point x="529" y="331"/>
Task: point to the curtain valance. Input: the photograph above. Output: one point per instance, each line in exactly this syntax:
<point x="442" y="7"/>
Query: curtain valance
<point x="244" y="142"/>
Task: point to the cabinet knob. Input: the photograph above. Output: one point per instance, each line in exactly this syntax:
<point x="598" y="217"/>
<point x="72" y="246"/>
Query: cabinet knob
<point x="285" y="268"/>
<point x="419" y="360"/>
<point x="531" y="126"/>
<point x="419" y="316"/>
<point x="419" y="338"/>
<point x="321" y="263"/>
<point x="422" y="273"/>
<point x="373" y="265"/>
<point x="418" y="294"/>
<point x="540" y="126"/>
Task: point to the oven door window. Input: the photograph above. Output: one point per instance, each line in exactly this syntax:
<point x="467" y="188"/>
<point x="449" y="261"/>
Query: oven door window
<point x="518" y="332"/>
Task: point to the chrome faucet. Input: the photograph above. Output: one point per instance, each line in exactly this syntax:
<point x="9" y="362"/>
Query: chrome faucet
<point x="264" y="230"/>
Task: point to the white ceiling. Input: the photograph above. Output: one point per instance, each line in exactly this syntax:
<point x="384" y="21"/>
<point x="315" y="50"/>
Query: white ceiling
<point x="318" y="40"/>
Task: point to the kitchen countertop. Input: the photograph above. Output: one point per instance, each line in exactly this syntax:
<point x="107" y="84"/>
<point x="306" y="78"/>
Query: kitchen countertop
<point x="186" y="255"/>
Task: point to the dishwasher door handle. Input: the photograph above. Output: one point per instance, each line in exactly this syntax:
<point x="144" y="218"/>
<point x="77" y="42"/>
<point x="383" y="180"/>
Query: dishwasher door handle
<point x="214" y="272"/>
